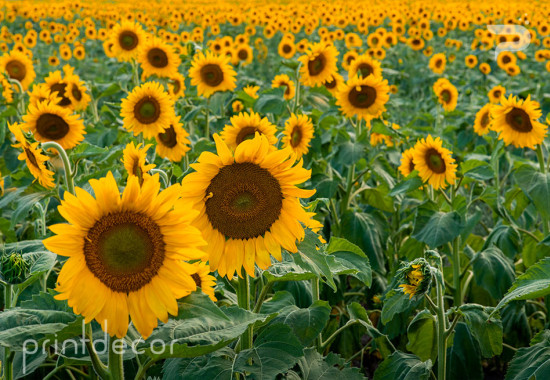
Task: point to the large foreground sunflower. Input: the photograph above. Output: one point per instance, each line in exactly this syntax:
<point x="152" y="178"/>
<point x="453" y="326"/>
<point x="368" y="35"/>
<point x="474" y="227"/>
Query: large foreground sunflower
<point x="19" y="67"/>
<point x="318" y="64"/>
<point x="211" y="73"/>
<point x="173" y="143"/>
<point x="125" y="253"/>
<point x="50" y="122"/>
<point x="148" y="109"/>
<point x="434" y="163"/>
<point x="249" y="204"/>
<point x="33" y="156"/>
<point x="244" y="127"/>
<point x="127" y="38"/>
<point x="363" y="97"/>
<point x="516" y="122"/>
<point x="297" y="134"/>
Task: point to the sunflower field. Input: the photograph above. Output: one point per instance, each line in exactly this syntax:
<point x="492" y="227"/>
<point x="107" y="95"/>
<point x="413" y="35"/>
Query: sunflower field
<point x="274" y="190"/>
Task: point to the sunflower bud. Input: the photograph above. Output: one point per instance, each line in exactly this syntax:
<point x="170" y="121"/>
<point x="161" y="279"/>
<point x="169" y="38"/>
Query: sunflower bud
<point x="14" y="268"/>
<point x="415" y="278"/>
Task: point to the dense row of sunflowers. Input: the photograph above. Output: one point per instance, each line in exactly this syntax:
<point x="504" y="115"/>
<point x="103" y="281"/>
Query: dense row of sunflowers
<point x="172" y="174"/>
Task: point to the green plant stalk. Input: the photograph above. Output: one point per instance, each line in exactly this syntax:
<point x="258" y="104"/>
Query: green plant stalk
<point x="540" y="157"/>
<point x="347" y="199"/>
<point x="298" y="88"/>
<point x="315" y="297"/>
<point x="162" y="175"/>
<point x="441" y="334"/>
<point x="8" y="355"/>
<point x="207" y="128"/>
<point x="66" y="163"/>
<point x="457" y="296"/>
<point x="99" y="368"/>
<point x="116" y="367"/>
<point x="243" y="299"/>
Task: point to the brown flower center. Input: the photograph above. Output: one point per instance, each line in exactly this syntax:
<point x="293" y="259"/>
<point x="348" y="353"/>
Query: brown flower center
<point x="364" y="98"/>
<point x="331" y="83"/>
<point x="60" y="89"/>
<point x="435" y="161"/>
<point x="317" y="65"/>
<point x="286" y="49"/>
<point x="75" y="91"/>
<point x="31" y="157"/>
<point x="246" y="133"/>
<point x="168" y="138"/>
<point x="177" y="85"/>
<point x="484" y="120"/>
<point x="16" y="70"/>
<point x="246" y="200"/>
<point x="157" y="58"/>
<point x="519" y="120"/>
<point x="242" y="54"/>
<point x="445" y="96"/>
<point x="128" y="40"/>
<point x="365" y="69"/>
<point x="197" y="279"/>
<point x="296" y="136"/>
<point x="147" y="110"/>
<point x="212" y="74"/>
<point x="51" y="126"/>
<point x="124" y="250"/>
<point x="506" y="59"/>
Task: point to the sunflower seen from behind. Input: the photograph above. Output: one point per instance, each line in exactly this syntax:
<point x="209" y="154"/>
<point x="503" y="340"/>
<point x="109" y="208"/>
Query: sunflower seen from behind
<point x="516" y="122"/>
<point x="244" y="126"/>
<point x="434" y="163"/>
<point x="212" y="73"/>
<point x="125" y="253"/>
<point x="148" y="109"/>
<point x="318" y="64"/>
<point x="249" y="204"/>
<point x="50" y="122"/>
<point x="297" y="134"/>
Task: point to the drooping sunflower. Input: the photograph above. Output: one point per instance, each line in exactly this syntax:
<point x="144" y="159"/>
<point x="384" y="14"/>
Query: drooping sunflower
<point x="364" y="65"/>
<point x="447" y="94"/>
<point x="516" y="121"/>
<point x="434" y="163"/>
<point x="33" y="156"/>
<point x="297" y="134"/>
<point x="135" y="161"/>
<point x="482" y="122"/>
<point x="318" y="64"/>
<point x="438" y="62"/>
<point x="334" y="83"/>
<point x="249" y="204"/>
<point x="127" y="38"/>
<point x="173" y="143"/>
<point x="203" y="279"/>
<point x="282" y="80"/>
<point x="51" y="122"/>
<point x="125" y="253"/>
<point x="363" y="97"/>
<point x="18" y="66"/>
<point x="496" y="93"/>
<point x="211" y="73"/>
<point x="148" y="109"/>
<point x="157" y="57"/>
<point x="407" y="164"/>
<point x="244" y="126"/>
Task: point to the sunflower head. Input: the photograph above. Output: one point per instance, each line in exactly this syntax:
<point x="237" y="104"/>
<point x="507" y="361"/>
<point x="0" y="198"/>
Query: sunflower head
<point x="434" y="163"/>
<point x="244" y="127"/>
<point x="482" y="122"/>
<point x="496" y="93"/>
<point x="135" y="160"/>
<point x="363" y="97"/>
<point x="407" y="164"/>
<point x="173" y="142"/>
<point x="318" y="64"/>
<point x="157" y="57"/>
<point x="127" y="38"/>
<point x="415" y="278"/>
<point x="212" y="73"/>
<point x="364" y="65"/>
<point x="297" y="134"/>
<point x="251" y="91"/>
<point x="282" y="80"/>
<point x="18" y="66"/>
<point x="438" y="62"/>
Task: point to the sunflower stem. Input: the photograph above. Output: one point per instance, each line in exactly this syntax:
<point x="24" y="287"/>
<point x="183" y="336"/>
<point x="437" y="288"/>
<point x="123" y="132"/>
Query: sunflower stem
<point x="99" y="368"/>
<point x="315" y="295"/>
<point x="207" y="128"/>
<point x="297" y="96"/>
<point x="540" y="157"/>
<point x="135" y="73"/>
<point x="162" y="175"/>
<point x="243" y="299"/>
<point x="441" y="333"/>
<point x="66" y="163"/>
<point x="116" y="367"/>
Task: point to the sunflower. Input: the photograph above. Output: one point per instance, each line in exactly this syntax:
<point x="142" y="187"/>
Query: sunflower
<point x="76" y="90"/>
<point x="407" y="164"/>
<point x="156" y="57"/>
<point x="237" y="106"/>
<point x="148" y="109"/>
<point x="349" y="57"/>
<point x="127" y="38"/>
<point x="34" y="157"/>
<point x="57" y="85"/>
<point x="297" y="134"/>
<point x="318" y="64"/>
<point x="364" y="97"/>
<point x="50" y="122"/>
<point x="485" y="68"/>
<point x="7" y="89"/>
<point x="40" y="93"/>
<point x="505" y="59"/>
<point x="203" y="279"/>
<point x="364" y="65"/>
<point x="176" y="86"/>
<point x="516" y="122"/>
<point x="252" y="91"/>
<point x="211" y="73"/>
<point x="282" y="80"/>
<point x="334" y="83"/>
<point x="125" y="253"/>
<point x="249" y="204"/>
<point x="483" y="120"/>
<point x="470" y="61"/>
<point x="437" y="63"/>
<point x="244" y="126"/>
<point x="287" y="49"/>
<point x="496" y="93"/>
<point x="173" y="143"/>
<point x="446" y="93"/>
<point x="135" y="161"/>
<point x="242" y="53"/>
<point x="18" y="66"/>
<point x="434" y="163"/>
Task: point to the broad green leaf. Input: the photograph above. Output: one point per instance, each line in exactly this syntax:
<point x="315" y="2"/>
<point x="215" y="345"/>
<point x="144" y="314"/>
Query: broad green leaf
<point x="476" y="169"/>
<point x="463" y="356"/>
<point x="395" y="302"/>
<point x="506" y="238"/>
<point x="352" y="257"/>
<point x="378" y="198"/>
<point x="402" y="366"/>
<point x="270" y="103"/>
<point x="315" y="260"/>
<point x="357" y="313"/>
<point x="313" y="366"/>
<point x="493" y="271"/>
<point x="485" y="328"/>
<point x="278" y="302"/>
<point x="412" y="182"/>
<point x="216" y="365"/>
<point x="534" y="283"/>
<point x="287" y="271"/>
<point x="536" y="186"/>
<point x="532" y="363"/>
<point x="422" y="335"/>
<point x="436" y="228"/>
<point x="275" y="351"/>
